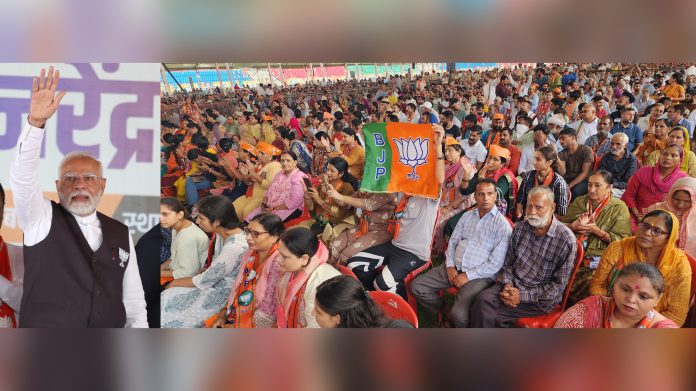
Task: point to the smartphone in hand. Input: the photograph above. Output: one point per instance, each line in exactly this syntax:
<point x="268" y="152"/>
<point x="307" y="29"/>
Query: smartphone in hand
<point x="307" y="183"/>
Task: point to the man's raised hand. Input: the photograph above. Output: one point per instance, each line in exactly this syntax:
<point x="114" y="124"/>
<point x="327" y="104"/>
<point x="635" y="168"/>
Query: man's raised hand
<point x="44" y="100"/>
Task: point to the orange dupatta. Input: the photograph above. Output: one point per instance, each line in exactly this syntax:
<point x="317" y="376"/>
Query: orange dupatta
<point x="395" y="221"/>
<point x="244" y="302"/>
<point x="291" y="288"/>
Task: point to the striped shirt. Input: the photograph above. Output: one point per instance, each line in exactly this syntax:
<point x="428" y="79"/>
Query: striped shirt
<point x="561" y="193"/>
<point x="539" y="266"/>
<point x="478" y="245"/>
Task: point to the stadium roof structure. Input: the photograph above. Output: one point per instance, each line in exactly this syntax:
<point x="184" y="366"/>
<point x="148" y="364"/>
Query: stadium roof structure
<point x="182" y="67"/>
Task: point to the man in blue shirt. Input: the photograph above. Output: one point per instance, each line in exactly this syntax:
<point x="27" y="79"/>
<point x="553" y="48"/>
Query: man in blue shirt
<point x="475" y="254"/>
<point x="634" y="133"/>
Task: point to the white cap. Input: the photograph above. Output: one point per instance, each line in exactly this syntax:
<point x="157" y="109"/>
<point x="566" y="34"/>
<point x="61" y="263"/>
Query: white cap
<point x="556" y="119"/>
<point x="427" y="105"/>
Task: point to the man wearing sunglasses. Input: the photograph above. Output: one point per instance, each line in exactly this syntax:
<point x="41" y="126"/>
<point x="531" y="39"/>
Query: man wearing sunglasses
<point x="80" y="265"/>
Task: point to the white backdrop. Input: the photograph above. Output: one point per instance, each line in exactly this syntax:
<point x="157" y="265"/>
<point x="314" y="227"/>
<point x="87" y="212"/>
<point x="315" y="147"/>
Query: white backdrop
<point x="111" y="111"/>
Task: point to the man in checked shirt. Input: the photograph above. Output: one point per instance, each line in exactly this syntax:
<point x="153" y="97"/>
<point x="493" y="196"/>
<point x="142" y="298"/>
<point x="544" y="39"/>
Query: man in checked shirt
<point x="538" y="263"/>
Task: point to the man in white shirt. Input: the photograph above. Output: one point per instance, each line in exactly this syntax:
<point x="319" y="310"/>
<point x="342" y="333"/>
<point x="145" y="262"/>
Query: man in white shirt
<point x="80" y="266"/>
<point x="586" y="126"/>
<point x="473" y="147"/>
<point x="656" y="111"/>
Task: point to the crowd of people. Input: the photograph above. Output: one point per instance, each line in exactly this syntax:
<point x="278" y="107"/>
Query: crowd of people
<point x="574" y="180"/>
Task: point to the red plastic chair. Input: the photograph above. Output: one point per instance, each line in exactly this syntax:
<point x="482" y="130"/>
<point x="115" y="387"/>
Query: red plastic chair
<point x="409" y="279"/>
<point x="394" y="306"/>
<point x="305" y="216"/>
<point x="346" y="271"/>
<point x="549" y="320"/>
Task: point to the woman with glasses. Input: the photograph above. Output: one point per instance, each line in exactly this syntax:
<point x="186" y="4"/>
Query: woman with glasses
<point x="638" y="288"/>
<point x="252" y="300"/>
<point x="650" y="185"/>
<point x="188" y="302"/>
<point x="681" y="201"/>
<point x="654" y="243"/>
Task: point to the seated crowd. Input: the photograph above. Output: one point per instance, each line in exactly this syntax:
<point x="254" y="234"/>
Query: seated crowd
<point x="565" y="193"/>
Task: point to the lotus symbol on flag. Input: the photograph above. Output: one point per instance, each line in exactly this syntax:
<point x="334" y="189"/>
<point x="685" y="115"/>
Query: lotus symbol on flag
<point x="412" y="153"/>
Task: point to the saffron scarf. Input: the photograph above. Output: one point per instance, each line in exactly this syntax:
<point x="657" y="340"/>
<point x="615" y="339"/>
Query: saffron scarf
<point x="291" y="289"/>
<point x="365" y="219"/>
<point x="610" y="308"/>
<point x="248" y="291"/>
<point x="513" y="185"/>
<point x="547" y="181"/>
<point x="395" y="221"/>
<point x="6" y="313"/>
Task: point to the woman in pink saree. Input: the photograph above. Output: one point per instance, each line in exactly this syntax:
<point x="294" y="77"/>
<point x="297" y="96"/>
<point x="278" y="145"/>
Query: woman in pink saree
<point x="452" y="201"/>
<point x="285" y="195"/>
<point x="651" y="184"/>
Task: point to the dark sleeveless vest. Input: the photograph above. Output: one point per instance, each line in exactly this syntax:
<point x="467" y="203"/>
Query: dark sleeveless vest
<point x="66" y="284"/>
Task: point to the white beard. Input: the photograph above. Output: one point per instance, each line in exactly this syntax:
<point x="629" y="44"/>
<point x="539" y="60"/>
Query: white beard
<point x="80" y="208"/>
<point x="537" y="222"/>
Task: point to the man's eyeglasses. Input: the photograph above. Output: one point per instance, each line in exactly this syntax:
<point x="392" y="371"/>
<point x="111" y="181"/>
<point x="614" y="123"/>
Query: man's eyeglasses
<point x="72" y="179"/>
<point x="252" y="233"/>
<point x="654" y="231"/>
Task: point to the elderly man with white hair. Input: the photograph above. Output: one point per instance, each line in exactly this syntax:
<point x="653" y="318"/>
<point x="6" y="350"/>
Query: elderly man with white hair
<point x="539" y="259"/>
<point x="80" y="265"/>
<point x="621" y="164"/>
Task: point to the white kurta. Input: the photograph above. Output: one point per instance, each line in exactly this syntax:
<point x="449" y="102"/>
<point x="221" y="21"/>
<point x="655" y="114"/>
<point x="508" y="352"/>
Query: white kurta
<point x="190" y="307"/>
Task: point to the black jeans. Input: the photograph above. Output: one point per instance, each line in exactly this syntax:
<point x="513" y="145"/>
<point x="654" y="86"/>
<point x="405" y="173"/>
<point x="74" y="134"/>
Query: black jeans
<point x="397" y="264"/>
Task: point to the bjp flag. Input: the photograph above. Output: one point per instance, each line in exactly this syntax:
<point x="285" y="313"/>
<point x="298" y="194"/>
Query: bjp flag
<point x="400" y="158"/>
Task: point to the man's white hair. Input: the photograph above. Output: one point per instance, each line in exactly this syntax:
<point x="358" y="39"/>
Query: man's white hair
<point x="542" y="190"/>
<point x="623" y="137"/>
<point x="77" y="155"/>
